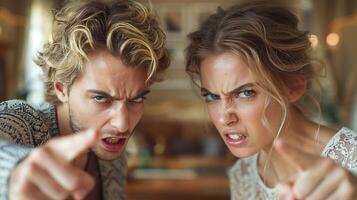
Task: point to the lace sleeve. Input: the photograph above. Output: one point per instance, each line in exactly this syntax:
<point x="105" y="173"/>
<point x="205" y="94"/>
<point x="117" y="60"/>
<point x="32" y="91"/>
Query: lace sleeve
<point x="342" y="148"/>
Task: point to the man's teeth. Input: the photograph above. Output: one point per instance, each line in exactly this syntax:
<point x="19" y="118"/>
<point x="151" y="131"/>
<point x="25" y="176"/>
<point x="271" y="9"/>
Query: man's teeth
<point x="112" y="140"/>
<point x="236" y="136"/>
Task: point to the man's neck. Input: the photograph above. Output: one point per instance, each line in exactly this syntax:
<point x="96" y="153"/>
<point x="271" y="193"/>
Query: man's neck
<point x="65" y="129"/>
<point x="63" y="120"/>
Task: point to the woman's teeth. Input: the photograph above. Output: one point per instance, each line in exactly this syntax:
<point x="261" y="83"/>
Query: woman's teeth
<point x="236" y="136"/>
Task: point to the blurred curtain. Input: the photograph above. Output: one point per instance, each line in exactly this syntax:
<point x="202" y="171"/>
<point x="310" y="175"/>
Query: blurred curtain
<point x="344" y="68"/>
<point x="340" y="19"/>
<point x="38" y="32"/>
<point x="12" y="29"/>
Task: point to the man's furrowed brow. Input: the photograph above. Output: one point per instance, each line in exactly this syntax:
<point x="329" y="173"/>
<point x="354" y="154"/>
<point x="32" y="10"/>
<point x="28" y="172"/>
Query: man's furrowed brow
<point x="102" y="93"/>
<point x="204" y="90"/>
<point x="107" y="95"/>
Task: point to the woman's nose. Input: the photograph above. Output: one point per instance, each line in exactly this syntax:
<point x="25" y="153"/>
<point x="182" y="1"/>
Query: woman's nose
<point x="228" y="114"/>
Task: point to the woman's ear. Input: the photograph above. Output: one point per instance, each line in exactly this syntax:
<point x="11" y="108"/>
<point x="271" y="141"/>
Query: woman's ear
<point x="297" y="89"/>
<point x="61" y="91"/>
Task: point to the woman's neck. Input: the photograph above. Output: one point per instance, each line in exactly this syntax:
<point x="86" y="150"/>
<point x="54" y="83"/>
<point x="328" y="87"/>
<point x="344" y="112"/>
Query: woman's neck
<point x="300" y="133"/>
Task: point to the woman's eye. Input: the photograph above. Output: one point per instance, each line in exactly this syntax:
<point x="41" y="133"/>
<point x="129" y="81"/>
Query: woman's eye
<point x="246" y="93"/>
<point x="138" y="100"/>
<point x="211" y="97"/>
<point x="101" y="99"/>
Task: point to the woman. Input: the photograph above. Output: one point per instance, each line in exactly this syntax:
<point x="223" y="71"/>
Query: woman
<point x="254" y="72"/>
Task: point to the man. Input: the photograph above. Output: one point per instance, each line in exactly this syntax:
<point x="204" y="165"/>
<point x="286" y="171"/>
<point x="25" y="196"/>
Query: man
<point x="98" y="68"/>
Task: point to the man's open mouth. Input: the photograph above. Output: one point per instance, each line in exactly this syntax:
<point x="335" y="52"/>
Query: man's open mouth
<point x="114" y="144"/>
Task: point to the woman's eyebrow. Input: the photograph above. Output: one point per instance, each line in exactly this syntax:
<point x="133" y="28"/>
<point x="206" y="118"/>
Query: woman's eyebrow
<point x="237" y="89"/>
<point x="241" y="87"/>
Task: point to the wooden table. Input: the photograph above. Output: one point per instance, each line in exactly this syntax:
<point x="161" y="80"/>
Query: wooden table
<point x="201" y="188"/>
<point x="209" y="180"/>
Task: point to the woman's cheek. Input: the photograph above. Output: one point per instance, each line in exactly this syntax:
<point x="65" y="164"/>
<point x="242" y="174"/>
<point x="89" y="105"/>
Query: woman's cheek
<point x="213" y="112"/>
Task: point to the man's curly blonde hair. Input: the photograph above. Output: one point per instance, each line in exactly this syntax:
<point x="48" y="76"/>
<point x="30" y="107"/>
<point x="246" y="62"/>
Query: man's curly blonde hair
<point x="126" y="28"/>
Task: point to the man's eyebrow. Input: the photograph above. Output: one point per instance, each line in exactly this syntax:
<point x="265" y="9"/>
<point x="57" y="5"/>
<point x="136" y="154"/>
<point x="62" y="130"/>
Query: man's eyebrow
<point x="141" y="94"/>
<point x="204" y="90"/>
<point x="102" y="93"/>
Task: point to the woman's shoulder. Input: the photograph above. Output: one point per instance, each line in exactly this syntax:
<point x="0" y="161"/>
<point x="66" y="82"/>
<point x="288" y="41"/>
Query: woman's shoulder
<point x="344" y="137"/>
<point x="342" y="148"/>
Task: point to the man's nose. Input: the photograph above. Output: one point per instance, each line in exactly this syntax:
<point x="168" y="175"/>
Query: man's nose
<point x="120" y="118"/>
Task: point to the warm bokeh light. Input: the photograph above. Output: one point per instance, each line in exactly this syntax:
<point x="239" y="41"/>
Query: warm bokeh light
<point x="314" y="41"/>
<point x="332" y="39"/>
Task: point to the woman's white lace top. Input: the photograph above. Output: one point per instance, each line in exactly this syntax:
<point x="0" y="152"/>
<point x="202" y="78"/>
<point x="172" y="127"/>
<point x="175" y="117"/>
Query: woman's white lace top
<point x="246" y="184"/>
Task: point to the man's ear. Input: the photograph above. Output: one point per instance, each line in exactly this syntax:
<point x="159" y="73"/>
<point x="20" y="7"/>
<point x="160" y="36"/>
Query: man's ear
<point x="61" y="91"/>
<point x="297" y="88"/>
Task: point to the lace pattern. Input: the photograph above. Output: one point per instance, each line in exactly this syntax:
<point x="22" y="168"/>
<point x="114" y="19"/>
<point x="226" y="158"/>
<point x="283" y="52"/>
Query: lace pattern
<point x="342" y="148"/>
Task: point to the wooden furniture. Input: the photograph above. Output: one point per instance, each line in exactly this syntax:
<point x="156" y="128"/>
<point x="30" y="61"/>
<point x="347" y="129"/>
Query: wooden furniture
<point x="207" y="188"/>
<point x="192" y="177"/>
<point x="3" y="80"/>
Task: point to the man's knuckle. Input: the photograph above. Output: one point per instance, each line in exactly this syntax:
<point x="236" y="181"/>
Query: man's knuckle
<point x="62" y="194"/>
<point x="31" y="167"/>
<point x="24" y="190"/>
<point x="27" y="170"/>
<point x="40" y="154"/>
<point x="75" y="183"/>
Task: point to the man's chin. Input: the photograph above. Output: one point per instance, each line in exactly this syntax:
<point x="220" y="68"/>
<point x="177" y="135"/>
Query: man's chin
<point x="107" y="156"/>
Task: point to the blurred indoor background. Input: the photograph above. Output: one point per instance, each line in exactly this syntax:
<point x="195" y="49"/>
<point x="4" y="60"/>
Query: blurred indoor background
<point x="175" y="152"/>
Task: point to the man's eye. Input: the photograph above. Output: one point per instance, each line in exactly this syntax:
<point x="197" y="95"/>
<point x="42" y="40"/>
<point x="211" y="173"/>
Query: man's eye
<point x="101" y="99"/>
<point x="210" y="97"/>
<point x="138" y="100"/>
<point x="246" y="93"/>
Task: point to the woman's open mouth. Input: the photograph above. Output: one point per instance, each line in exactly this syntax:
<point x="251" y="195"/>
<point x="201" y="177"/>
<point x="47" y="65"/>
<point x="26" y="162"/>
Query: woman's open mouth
<point x="236" y="139"/>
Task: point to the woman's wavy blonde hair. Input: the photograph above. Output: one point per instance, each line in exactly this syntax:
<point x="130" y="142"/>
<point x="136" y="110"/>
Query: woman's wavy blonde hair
<point x="266" y="36"/>
<point x="126" y="28"/>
